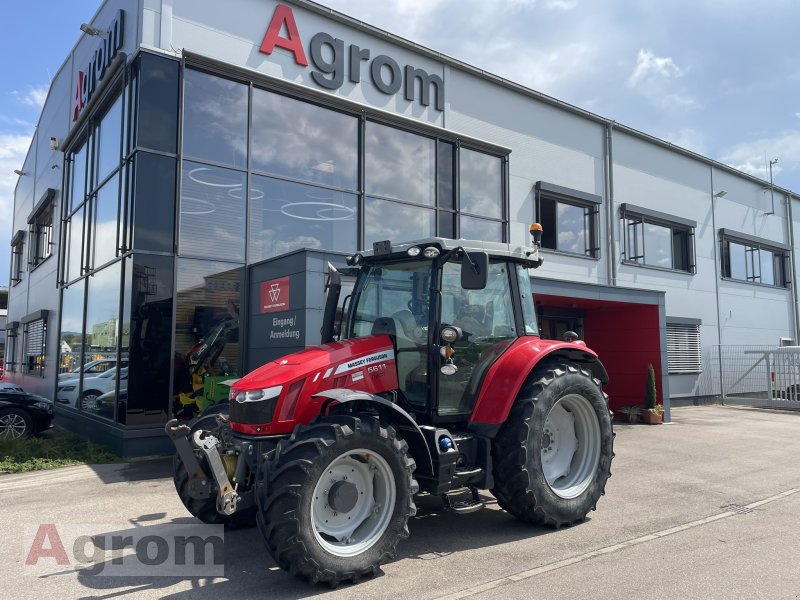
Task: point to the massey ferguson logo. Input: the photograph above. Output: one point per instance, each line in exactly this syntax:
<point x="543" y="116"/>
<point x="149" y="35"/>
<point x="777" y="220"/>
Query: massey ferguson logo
<point x="93" y="74"/>
<point x="331" y="60"/>
<point x="275" y="295"/>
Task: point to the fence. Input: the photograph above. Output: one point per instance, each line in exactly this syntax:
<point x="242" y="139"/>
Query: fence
<point x="762" y="376"/>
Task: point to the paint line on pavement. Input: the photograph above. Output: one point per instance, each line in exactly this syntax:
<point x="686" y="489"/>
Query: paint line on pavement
<point x="522" y="575"/>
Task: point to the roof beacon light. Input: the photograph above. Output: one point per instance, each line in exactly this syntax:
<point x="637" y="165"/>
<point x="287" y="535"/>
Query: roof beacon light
<point x="536" y="232"/>
<point x="431" y="252"/>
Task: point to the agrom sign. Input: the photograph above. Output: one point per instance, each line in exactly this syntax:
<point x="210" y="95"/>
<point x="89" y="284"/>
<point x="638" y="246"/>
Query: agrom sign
<point x="92" y="75"/>
<point x="332" y="60"/>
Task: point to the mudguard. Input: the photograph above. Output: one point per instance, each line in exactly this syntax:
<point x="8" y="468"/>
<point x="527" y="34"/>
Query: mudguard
<point x="506" y="376"/>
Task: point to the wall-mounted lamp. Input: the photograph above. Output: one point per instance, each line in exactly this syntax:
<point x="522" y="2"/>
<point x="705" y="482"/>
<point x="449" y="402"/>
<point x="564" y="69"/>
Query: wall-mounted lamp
<point x="20" y="173"/>
<point x="721" y="194"/>
<point x="53" y="143"/>
<point x="89" y="30"/>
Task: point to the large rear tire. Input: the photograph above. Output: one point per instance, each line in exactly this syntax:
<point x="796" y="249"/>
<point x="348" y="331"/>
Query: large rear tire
<point x="553" y="455"/>
<point x="206" y="509"/>
<point x="335" y="499"/>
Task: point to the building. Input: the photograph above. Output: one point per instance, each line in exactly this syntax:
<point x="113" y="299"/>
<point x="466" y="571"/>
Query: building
<point x="192" y="162"/>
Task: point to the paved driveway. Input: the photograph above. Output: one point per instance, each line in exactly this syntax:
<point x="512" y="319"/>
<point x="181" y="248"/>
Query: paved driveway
<point x="706" y="507"/>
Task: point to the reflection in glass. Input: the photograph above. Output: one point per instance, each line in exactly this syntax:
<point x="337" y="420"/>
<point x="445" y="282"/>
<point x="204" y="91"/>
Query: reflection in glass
<point x="399" y="164"/>
<point x="206" y="333"/>
<point x="107" y="150"/>
<point x="571" y="228"/>
<point x="473" y="228"/>
<point x="75" y="244"/>
<point x="102" y="337"/>
<point x="105" y="229"/>
<point x="658" y="245"/>
<point x="78" y="170"/>
<point x="286" y="216"/>
<point x="147" y="328"/>
<point x="154" y="215"/>
<point x="215" y="119"/>
<point x="737" y="261"/>
<point x="212" y="212"/>
<point x="298" y="140"/>
<point x="768" y="260"/>
<point x="70" y="344"/>
<point x="157" y="123"/>
<point x="480" y="183"/>
<point x="446" y="197"/>
<point x="386" y="220"/>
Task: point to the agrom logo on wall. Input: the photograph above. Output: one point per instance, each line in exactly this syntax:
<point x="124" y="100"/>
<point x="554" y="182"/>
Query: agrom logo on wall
<point x="93" y="73"/>
<point x="331" y="60"/>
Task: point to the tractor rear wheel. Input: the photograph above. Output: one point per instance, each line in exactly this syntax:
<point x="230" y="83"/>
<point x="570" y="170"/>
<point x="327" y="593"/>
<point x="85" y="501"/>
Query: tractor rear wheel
<point x="335" y="499"/>
<point x="205" y="509"/>
<point x="553" y="455"/>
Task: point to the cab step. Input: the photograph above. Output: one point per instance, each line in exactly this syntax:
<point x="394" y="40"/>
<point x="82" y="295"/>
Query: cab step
<point x="462" y="501"/>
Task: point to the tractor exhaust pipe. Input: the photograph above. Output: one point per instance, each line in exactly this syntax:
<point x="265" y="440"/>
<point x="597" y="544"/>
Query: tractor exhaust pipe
<point x="333" y="288"/>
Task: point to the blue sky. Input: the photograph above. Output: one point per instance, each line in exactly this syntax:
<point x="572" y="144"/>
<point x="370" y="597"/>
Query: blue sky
<point x="718" y="77"/>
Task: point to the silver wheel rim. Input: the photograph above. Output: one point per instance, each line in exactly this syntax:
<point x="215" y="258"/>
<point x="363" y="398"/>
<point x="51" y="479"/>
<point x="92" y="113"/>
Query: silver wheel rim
<point x="351" y="532"/>
<point x="12" y="426"/>
<point x="89" y="402"/>
<point x="570" y="446"/>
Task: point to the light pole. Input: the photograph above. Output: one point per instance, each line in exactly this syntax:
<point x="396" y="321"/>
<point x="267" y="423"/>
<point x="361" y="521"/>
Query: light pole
<point x="771" y="186"/>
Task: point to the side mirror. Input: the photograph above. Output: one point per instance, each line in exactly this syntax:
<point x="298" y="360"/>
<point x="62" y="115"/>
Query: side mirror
<point x="474" y="270"/>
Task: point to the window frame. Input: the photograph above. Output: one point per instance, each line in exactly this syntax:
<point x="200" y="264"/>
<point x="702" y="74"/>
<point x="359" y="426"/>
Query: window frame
<point x="17" y="246"/>
<point x="12" y="337"/>
<point x="34" y="363"/>
<point x="590" y="203"/>
<point x="40" y="230"/>
<point x="781" y="258"/>
<point x="639" y="216"/>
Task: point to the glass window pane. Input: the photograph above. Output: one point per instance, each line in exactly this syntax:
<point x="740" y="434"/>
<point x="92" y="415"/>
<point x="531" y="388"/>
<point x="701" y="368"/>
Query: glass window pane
<point x="547" y="219"/>
<point x="657" y="245"/>
<point x="571" y="228"/>
<point x="386" y="220"/>
<point x="208" y="300"/>
<point x="400" y="164"/>
<point x="146" y="335"/>
<point x="767" y="267"/>
<point x="298" y="140"/>
<point x="71" y="334"/>
<point x="105" y="229"/>
<point x="286" y="216"/>
<point x="157" y="118"/>
<point x="447" y="224"/>
<point x="736" y="261"/>
<point x="75" y="245"/>
<point x="680" y="250"/>
<point x="102" y="339"/>
<point x="154" y="214"/>
<point x="78" y="177"/>
<point x="473" y="228"/>
<point x="635" y="240"/>
<point x="444" y="176"/>
<point x="480" y="178"/>
<point x="526" y="297"/>
<point x="212" y="212"/>
<point x="215" y="119"/>
<point x="107" y="150"/>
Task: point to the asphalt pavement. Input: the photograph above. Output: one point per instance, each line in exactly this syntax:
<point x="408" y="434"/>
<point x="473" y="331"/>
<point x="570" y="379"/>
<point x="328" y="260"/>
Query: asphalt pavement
<point x="705" y="507"/>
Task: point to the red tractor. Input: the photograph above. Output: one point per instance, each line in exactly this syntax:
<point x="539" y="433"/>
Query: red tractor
<point x="438" y="383"/>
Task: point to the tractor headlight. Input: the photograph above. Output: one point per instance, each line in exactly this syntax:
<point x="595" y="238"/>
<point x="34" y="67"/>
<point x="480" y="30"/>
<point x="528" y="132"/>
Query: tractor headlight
<point x="431" y="252"/>
<point x="450" y="334"/>
<point x="413" y="251"/>
<point x="259" y="395"/>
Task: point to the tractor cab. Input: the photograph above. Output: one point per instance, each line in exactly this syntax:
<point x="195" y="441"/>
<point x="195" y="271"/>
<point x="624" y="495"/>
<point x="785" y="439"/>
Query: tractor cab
<point x="451" y="307"/>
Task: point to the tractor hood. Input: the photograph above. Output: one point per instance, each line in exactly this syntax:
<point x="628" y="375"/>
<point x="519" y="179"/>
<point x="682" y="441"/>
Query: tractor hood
<point x="277" y="395"/>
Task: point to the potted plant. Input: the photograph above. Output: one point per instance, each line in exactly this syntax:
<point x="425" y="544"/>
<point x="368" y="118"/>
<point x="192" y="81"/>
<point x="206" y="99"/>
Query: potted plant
<point x="653" y="412"/>
<point x="632" y="413"/>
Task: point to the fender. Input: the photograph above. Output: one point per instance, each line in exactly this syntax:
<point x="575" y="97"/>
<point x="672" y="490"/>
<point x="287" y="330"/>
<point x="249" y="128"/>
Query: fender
<point x="506" y="376"/>
<point x="400" y="419"/>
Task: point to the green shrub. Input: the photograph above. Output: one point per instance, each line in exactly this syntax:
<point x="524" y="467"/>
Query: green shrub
<point x="650" y="396"/>
<point x="50" y="451"/>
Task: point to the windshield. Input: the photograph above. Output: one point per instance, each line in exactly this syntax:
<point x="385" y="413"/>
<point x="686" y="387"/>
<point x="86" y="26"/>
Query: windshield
<point x="395" y="295"/>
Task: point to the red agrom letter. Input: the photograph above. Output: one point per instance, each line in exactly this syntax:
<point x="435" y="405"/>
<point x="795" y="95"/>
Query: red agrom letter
<point x="283" y="16"/>
<point x="56" y="550"/>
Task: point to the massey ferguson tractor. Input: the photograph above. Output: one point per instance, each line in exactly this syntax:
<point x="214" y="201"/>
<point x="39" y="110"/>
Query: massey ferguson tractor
<point x="436" y="383"/>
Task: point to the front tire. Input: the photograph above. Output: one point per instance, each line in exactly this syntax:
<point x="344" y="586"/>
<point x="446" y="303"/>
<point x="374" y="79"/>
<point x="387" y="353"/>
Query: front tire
<point x="336" y="498"/>
<point x="553" y="455"/>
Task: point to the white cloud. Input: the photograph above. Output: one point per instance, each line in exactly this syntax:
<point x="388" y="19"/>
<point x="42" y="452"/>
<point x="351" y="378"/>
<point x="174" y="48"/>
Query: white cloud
<point x="753" y="157"/>
<point x="561" y="4"/>
<point x="651" y="69"/>
<point x="34" y="97"/>
<point x="13" y="149"/>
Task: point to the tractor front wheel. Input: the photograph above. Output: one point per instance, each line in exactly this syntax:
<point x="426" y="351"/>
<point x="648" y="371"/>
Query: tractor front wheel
<point x="553" y="455"/>
<point x="335" y="499"/>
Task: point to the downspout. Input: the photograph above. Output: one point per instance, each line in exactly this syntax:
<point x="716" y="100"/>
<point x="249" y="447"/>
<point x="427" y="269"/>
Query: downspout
<point x="611" y="262"/>
<point x="717" y="275"/>
<point x="793" y="266"/>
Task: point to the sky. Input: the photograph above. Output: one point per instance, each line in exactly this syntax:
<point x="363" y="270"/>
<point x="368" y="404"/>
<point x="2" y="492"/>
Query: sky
<point x="718" y="77"/>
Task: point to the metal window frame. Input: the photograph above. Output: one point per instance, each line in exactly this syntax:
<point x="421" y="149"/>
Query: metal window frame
<point x="754" y="245"/>
<point x="631" y="214"/>
<point x="590" y="203"/>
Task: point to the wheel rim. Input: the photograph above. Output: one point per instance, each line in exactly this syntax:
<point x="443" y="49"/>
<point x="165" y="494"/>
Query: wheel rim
<point x="353" y="502"/>
<point x="89" y="402"/>
<point x="12" y="426"/>
<point x="570" y="446"/>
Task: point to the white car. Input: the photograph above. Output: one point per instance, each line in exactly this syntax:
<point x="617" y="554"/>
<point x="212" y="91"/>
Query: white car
<point x="92" y="388"/>
<point x="91" y="369"/>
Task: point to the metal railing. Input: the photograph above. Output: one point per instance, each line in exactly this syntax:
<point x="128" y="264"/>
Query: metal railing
<point x="763" y="376"/>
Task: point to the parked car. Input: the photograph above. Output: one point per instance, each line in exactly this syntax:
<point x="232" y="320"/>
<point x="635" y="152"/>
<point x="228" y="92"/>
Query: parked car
<point x="92" y="388"/>
<point x="91" y="369"/>
<point x="8" y="386"/>
<point x="22" y="414"/>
